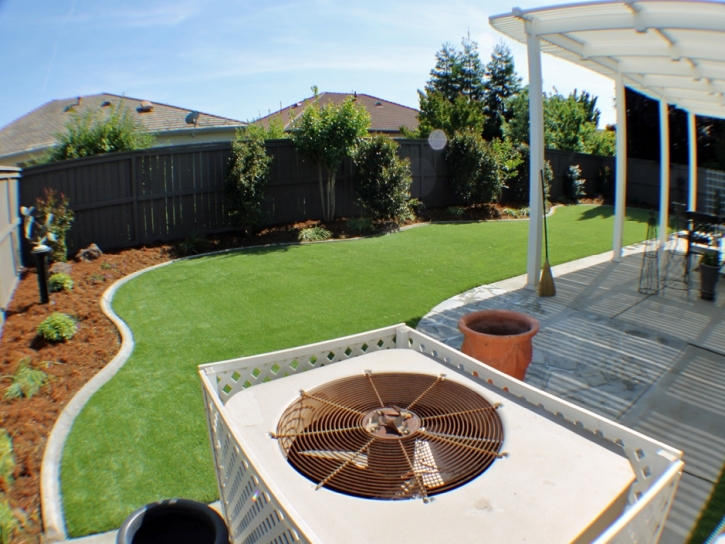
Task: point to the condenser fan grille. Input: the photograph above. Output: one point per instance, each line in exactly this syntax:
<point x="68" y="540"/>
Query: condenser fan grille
<point x="390" y="435"/>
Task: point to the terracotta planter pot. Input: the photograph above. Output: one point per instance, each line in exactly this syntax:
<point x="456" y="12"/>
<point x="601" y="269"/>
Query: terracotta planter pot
<point x="500" y="338"/>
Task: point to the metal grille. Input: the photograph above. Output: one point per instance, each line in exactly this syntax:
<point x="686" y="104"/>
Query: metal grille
<point x="390" y="435"/>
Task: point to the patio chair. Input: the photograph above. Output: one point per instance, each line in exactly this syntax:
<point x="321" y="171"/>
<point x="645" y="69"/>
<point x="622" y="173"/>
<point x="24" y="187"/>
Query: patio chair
<point x="705" y="233"/>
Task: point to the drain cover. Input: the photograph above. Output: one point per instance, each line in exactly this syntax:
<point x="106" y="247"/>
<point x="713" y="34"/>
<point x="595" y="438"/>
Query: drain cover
<point x="390" y="435"/>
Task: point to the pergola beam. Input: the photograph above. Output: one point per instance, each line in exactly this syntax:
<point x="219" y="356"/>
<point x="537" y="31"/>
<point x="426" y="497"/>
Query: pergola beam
<point x="664" y="176"/>
<point x="536" y="157"/>
<point x="692" y="146"/>
<point x="620" y="192"/>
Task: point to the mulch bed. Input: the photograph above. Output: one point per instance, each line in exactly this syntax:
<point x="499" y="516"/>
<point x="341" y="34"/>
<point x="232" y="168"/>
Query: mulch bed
<point x="71" y="364"/>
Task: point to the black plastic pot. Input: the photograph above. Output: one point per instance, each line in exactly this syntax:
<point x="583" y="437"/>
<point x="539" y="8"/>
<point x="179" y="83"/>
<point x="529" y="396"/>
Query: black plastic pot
<point x="175" y="521"/>
<point x="708" y="281"/>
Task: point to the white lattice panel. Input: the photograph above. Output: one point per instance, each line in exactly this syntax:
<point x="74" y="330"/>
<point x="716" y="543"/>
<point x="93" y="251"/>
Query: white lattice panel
<point x="714" y="192"/>
<point x="253" y="514"/>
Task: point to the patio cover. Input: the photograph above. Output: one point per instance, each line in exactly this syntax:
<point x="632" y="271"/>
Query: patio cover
<point x="672" y="51"/>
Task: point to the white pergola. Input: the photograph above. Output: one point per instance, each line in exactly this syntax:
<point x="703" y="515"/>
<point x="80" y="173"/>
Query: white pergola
<point x="671" y="51"/>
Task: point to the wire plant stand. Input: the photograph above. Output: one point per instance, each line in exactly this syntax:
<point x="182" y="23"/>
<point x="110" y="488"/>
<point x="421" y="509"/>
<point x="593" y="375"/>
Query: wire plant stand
<point x="649" y="276"/>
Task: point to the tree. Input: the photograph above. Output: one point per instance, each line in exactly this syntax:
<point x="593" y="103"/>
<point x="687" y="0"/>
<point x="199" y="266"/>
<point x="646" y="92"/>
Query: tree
<point x="502" y="82"/>
<point x="326" y="135"/>
<point x="453" y="97"/>
<point x="570" y="123"/>
<point x="97" y="132"/>
<point x="247" y="179"/>
<point x="383" y="179"/>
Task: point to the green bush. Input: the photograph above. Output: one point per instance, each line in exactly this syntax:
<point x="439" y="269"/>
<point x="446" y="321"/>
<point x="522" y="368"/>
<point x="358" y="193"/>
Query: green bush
<point x="7" y="460"/>
<point x="26" y="382"/>
<point x="193" y="244"/>
<point x="9" y="523"/>
<point x="711" y="258"/>
<point x="57" y="327"/>
<point x="60" y="282"/>
<point x="455" y="211"/>
<point x="314" y="234"/>
<point x="519" y="184"/>
<point x="104" y="130"/>
<point x="57" y="205"/>
<point x="573" y="187"/>
<point x="361" y="225"/>
<point x="245" y="184"/>
<point x="472" y="164"/>
<point x="383" y="179"/>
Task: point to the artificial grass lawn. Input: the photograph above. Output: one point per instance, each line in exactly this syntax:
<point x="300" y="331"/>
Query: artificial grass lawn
<point x="143" y="436"/>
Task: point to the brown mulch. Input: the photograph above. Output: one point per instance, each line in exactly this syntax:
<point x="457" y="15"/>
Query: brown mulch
<point x="71" y="364"/>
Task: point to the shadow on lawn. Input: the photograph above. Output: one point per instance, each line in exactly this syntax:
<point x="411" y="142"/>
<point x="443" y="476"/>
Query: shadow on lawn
<point x="604" y="212"/>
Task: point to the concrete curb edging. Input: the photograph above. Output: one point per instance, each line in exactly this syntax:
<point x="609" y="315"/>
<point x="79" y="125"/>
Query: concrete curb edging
<point x="50" y="494"/>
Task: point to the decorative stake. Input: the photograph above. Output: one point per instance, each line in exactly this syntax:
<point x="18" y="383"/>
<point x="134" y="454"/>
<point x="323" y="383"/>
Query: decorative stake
<point x="649" y="277"/>
<point x="37" y="234"/>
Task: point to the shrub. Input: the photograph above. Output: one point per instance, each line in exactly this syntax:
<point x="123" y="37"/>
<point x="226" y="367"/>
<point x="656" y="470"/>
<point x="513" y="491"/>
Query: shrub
<point x="519" y="184"/>
<point x="361" y="225"/>
<point x="7" y="460"/>
<point x="573" y="187"/>
<point x="100" y="131"/>
<point x="26" y="382"/>
<point x="605" y="181"/>
<point x="314" y="234"/>
<point x="57" y="205"/>
<point x="60" y="282"/>
<point x="455" y="211"/>
<point x="244" y="186"/>
<point x="194" y="244"/>
<point x="383" y="179"/>
<point x="57" y="327"/>
<point x="473" y="168"/>
<point x="9" y="523"/>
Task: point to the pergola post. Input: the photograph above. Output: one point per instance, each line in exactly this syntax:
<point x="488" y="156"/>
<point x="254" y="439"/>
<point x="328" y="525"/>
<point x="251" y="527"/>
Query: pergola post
<point x="664" y="174"/>
<point x="692" y="141"/>
<point x="620" y="192"/>
<point x="536" y="164"/>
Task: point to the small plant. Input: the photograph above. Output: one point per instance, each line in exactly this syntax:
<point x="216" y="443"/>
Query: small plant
<point x="96" y="277"/>
<point x="55" y="205"/>
<point x="60" y="282"/>
<point x="7" y="460"/>
<point x="57" y="327"/>
<point x="105" y="265"/>
<point x="511" y="213"/>
<point x="194" y="244"/>
<point x="314" y="234"/>
<point x="9" y="523"/>
<point x="26" y="382"/>
<point x="361" y="225"/>
<point x="711" y="258"/>
<point x="574" y="183"/>
<point x="455" y="211"/>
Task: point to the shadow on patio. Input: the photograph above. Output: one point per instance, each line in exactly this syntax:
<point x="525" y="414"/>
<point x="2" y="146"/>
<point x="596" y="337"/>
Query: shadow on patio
<point x="653" y="363"/>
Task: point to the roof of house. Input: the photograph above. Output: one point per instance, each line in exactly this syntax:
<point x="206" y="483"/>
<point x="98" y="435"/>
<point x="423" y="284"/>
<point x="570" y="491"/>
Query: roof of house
<point x="36" y="130"/>
<point x="385" y="116"/>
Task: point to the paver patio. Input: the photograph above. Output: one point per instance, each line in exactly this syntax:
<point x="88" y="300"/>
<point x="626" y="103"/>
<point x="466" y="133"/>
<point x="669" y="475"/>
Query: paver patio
<point x="654" y="363"/>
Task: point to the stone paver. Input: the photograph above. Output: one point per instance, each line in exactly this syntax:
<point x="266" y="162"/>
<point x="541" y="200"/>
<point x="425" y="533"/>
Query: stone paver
<point x="654" y="363"/>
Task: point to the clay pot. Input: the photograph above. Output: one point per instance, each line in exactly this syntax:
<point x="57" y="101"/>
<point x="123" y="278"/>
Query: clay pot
<point x="500" y="338"/>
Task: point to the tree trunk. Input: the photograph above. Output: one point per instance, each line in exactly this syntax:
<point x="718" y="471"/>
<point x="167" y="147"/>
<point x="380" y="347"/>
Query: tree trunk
<point x="323" y="200"/>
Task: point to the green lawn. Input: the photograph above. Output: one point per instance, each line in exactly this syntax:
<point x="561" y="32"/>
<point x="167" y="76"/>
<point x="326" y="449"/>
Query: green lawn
<point x="143" y="436"/>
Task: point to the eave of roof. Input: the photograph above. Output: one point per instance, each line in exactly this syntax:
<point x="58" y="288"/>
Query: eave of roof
<point x="669" y="50"/>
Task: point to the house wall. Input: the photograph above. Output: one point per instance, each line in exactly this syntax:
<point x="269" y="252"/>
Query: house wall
<point x="9" y="237"/>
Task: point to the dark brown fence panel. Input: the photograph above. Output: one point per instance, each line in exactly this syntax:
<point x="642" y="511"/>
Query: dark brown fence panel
<point x="430" y="173"/>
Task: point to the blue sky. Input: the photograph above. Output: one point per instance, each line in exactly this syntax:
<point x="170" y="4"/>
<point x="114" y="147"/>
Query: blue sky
<point x="240" y="59"/>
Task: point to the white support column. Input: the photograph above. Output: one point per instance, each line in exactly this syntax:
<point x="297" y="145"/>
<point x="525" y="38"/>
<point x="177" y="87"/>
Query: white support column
<point x="664" y="175"/>
<point x="692" y="140"/>
<point x="536" y="165"/>
<point x="620" y="191"/>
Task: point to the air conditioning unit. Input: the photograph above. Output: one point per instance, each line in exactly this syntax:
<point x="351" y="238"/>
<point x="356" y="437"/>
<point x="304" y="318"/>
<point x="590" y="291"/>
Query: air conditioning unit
<point x="391" y="436"/>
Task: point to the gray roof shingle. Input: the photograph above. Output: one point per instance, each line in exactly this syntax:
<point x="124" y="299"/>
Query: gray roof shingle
<point x="36" y="130"/>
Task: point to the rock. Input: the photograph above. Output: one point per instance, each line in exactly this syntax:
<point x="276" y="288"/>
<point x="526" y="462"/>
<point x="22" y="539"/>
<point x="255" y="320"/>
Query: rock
<point x="91" y="253"/>
<point x="60" y="268"/>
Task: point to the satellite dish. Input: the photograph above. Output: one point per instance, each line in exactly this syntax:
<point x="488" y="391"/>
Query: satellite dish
<point x="192" y="118"/>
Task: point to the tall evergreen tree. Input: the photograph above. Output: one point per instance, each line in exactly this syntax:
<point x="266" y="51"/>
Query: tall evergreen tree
<point x="501" y="82"/>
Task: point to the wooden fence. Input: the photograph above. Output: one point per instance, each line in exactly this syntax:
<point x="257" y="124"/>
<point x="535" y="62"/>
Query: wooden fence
<point x="142" y="197"/>
<point x="9" y="236"/>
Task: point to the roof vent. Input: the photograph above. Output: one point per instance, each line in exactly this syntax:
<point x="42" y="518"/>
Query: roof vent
<point x="146" y="106"/>
<point x="192" y="118"/>
<point x="378" y="105"/>
<point x="105" y="104"/>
